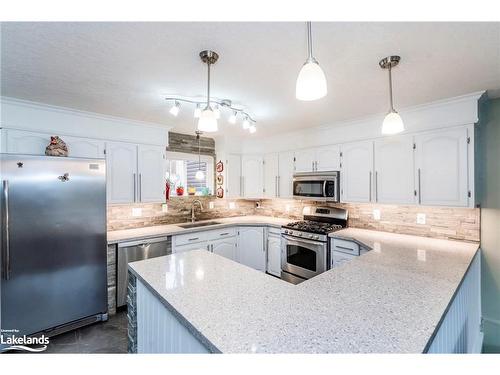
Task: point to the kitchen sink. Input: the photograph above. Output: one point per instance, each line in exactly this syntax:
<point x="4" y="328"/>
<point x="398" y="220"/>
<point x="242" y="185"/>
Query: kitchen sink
<point x="200" y="224"/>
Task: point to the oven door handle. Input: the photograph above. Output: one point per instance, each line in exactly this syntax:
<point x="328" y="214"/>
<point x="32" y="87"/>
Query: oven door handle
<point x="303" y="240"/>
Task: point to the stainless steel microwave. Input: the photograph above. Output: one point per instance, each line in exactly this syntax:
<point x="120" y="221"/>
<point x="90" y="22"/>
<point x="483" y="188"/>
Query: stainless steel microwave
<point x="321" y="186"/>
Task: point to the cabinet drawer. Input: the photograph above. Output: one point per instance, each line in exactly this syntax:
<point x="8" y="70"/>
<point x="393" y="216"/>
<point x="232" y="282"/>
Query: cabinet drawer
<point x="183" y="239"/>
<point x="220" y="233"/>
<point x="344" y="246"/>
<point x="274" y="231"/>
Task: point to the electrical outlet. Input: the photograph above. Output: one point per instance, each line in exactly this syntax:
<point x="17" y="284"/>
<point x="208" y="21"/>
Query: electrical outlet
<point x="211" y="205"/>
<point x="420" y="218"/>
<point x="232" y="205"/>
<point x="136" y="212"/>
<point x="164" y="208"/>
<point x="376" y="214"/>
<point x="421" y="255"/>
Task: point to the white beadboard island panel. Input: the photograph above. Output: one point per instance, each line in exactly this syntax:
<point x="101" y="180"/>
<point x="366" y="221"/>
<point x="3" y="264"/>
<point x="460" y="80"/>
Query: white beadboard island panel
<point x="460" y="329"/>
<point x="158" y="330"/>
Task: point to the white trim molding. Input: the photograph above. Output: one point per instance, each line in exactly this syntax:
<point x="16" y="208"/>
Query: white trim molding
<point x="38" y="117"/>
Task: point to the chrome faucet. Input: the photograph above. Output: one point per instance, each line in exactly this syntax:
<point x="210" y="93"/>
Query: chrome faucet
<point x="193" y="217"/>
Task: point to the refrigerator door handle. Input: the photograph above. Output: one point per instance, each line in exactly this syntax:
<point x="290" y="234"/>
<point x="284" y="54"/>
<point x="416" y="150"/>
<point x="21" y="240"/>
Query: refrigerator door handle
<point x="6" y="248"/>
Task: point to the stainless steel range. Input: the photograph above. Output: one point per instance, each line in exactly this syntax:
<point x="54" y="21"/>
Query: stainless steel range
<point x="304" y="244"/>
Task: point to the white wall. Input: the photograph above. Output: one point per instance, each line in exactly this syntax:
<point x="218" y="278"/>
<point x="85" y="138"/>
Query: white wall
<point x="36" y="117"/>
<point x="462" y="110"/>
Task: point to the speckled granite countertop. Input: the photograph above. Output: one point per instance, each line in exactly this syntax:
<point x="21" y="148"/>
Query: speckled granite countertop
<point x="389" y="300"/>
<point x="173" y="229"/>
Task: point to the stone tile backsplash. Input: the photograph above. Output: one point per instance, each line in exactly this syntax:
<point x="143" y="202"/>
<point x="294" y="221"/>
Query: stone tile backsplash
<point x="441" y="222"/>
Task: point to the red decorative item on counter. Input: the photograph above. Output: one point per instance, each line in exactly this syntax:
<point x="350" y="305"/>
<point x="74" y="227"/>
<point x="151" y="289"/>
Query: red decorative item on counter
<point x="167" y="191"/>
<point x="180" y="190"/>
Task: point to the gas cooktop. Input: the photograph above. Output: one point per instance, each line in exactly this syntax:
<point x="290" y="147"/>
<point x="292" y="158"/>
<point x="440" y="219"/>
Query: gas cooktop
<point x="311" y="226"/>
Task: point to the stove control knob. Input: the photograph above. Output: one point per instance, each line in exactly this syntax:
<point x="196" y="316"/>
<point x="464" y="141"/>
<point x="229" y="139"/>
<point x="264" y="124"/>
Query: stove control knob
<point x="316" y="237"/>
<point x="310" y="236"/>
<point x="285" y="231"/>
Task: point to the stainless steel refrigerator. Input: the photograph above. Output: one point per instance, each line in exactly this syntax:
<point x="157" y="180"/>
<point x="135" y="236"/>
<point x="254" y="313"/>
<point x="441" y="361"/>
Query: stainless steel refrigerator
<point x="53" y="238"/>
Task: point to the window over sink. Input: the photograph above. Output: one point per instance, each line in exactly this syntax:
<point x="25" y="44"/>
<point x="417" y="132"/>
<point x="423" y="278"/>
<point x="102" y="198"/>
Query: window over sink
<point x="181" y="171"/>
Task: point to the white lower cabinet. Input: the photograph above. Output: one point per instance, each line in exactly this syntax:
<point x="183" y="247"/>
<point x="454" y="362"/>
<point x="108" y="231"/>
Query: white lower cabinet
<point x="251" y="249"/>
<point x="190" y="246"/>
<point x="225" y="247"/>
<point x="274" y="254"/>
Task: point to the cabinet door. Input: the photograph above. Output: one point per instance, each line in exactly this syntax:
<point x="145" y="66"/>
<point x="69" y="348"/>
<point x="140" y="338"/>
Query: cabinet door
<point x="253" y="173"/>
<point x="357" y="172"/>
<point x="23" y="142"/>
<point x="251" y="250"/>
<point x="441" y="168"/>
<point x="328" y="158"/>
<point x="304" y="160"/>
<point x="84" y="147"/>
<point x="271" y="173"/>
<point x="274" y="255"/>
<point x="121" y="179"/>
<point x="225" y="247"/>
<point x="151" y="172"/>
<point x="233" y="176"/>
<point x="285" y="177"/>
<point x="394" y="170"/>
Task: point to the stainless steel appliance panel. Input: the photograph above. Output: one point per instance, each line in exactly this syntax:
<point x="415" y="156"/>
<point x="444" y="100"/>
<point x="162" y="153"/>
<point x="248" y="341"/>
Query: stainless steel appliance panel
<point x="53" y="241"/>
<point x="322" y="186"/>
<point x="132" y="252"/>
<point x="304" y="258"/>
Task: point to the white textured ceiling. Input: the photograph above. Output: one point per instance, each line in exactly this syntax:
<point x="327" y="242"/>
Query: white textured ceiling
<point x="125" y="69"/>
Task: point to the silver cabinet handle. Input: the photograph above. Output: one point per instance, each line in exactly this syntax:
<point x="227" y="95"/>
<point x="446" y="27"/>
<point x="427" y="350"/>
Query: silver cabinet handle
<point x="224" y="234"/>
<point x="313" y="166"/>
<point x="276" y="186"/>
<point x="279" y="187"/>
<point x="419" y="188"/>
<point x="6" y="249"/>
<point x="376" y="186"/>
<point x="370" y="185"/>
<point x="194" y="239"/>
<point x="135" y="187"/>
<point x="140" y="187"/>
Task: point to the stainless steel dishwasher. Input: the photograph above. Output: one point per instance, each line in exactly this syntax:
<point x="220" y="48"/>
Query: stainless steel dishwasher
<point x="134" y="251"/>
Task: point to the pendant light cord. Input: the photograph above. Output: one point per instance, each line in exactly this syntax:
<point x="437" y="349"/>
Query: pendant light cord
<point x="208" y="87"/>
<point x="390" y="89"/>
<point x="309" y="42"/>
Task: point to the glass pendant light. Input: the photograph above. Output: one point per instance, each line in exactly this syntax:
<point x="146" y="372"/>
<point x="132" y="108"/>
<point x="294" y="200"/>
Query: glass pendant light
<point x="174" y="111"/>
<point x="311" y="82"/>
<point x="393" y="123"/>
<point x="246" y="123"/>
<point x="197" y="111"/>
<point x="208" y="121"/>
<point x="199" y="173"/>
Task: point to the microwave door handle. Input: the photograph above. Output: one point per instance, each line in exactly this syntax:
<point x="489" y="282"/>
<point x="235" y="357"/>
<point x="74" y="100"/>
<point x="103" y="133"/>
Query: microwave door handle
<point x="324" y="188"/>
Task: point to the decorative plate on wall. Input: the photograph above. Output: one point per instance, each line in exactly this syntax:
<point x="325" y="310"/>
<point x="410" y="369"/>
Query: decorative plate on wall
<point x="219" y="167"/>
<point x="220" y="179"/>
<point x="220" y="193"/>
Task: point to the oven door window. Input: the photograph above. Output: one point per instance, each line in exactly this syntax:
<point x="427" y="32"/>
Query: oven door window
<point x="308" y="188"/>
<point x="302" y="257"/>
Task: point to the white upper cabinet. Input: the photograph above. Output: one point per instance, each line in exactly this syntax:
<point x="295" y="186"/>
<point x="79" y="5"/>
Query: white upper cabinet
<point x="121" y="162"/>
<point x="285" y="188"/>
<point x="441" y="169"/>
<point x="253" y="176"/>
<point x="84" y="147"/>
<point x="233" y="176"/>
<point x="394" y="166"/>
<point x="23" y="142"/>
<point x="328" y="158"/>
<point x="225" y="247"/>
<point x="151" y="173"/>
<point x="357" y="172"/>
<point x="305" y="160"/>
<point x="251" y="249"/>
<point x="271" y="175"/>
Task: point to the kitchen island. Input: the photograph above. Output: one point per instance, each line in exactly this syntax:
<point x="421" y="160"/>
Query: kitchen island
<point x="394" y="299"/>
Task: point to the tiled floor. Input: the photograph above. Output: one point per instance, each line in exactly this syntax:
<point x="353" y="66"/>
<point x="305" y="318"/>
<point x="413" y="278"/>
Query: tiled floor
<point x="104" y="337"/>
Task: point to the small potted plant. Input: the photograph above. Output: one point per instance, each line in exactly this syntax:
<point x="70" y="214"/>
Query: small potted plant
<point x="180" y="190"/>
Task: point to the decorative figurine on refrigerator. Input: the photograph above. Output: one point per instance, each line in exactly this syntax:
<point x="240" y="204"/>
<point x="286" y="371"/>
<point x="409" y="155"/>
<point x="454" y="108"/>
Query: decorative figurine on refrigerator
<point x="56" y="147"/>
